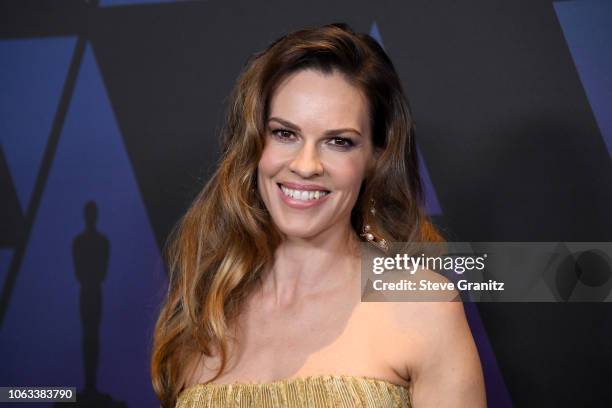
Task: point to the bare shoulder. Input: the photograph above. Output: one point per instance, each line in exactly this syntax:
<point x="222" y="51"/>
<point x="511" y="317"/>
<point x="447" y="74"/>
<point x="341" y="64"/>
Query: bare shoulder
<point x="430" y="344"/>
<point x="199" y="369"/>
<point x="191" y="374"/>
<point x="415" y="327"/>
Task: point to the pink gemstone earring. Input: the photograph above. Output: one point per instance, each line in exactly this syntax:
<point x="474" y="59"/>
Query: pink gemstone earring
<point x="370" y="236"/>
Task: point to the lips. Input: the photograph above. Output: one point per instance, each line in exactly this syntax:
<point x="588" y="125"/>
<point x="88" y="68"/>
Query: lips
<point x="303" y="187"/>
<point x="305" y="196"/>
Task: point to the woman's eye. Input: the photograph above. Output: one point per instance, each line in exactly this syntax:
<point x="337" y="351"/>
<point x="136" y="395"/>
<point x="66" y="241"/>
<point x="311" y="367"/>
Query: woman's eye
<point x="282" y="134"/>
<point x="341" y="142"/>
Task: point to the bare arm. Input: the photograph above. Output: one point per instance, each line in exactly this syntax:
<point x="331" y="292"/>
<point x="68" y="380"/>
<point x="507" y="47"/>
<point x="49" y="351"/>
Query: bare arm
<point x="449" y="373"/>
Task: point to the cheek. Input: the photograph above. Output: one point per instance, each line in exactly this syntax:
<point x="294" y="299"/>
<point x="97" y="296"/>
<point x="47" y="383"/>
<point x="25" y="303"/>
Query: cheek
<point x="270" y="162"/>
<point x="347" y="173"/>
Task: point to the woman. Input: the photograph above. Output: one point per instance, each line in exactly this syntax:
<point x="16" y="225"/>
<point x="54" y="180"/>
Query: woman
<point x="263" y="306"/>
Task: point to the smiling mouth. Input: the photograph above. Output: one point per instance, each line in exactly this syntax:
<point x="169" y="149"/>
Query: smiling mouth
<point x="303" y="195"/>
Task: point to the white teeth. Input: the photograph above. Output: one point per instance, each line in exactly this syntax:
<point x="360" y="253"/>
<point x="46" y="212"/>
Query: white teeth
<point x="303" y="195"/>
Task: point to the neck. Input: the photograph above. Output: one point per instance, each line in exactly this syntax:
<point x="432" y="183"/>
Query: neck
<point x="309" y="266"/>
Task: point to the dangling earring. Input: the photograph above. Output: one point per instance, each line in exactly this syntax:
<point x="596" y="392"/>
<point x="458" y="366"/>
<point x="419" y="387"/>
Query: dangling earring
<point x="370" y="236"/>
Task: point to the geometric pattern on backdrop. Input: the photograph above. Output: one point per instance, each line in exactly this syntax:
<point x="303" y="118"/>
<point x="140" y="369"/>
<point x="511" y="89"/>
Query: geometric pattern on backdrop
<point x="432" y="205"/>
<point x="588" y="32"/>
<point x="497" y="392"/>
<point x="5" y="260"/>
<point x="104" y="3"/>
<point x="28" y="102"/>
<point x="54" y="308"/>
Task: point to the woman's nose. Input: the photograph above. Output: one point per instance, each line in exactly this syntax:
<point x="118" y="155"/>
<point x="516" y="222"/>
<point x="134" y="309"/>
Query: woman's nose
<point x="307" y="162"/>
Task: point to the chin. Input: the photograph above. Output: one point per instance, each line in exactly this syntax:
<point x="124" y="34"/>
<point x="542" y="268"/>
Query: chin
<point x="298" y="232"/>
<point x="298" y="229"/>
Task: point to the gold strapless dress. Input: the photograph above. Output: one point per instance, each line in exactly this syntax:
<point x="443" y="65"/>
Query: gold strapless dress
<point x="314" y="391"/>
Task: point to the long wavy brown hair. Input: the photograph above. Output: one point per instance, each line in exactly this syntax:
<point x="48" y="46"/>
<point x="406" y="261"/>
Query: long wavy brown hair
<point x="218" y="250"/>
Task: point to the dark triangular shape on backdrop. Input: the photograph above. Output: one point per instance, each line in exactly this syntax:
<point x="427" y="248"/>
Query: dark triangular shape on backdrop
<point x="11" y="216"/>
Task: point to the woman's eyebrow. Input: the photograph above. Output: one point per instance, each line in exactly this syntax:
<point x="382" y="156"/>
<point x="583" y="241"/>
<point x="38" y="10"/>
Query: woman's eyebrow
<point x="330" y="132"/>
<point x="285" y="123"/>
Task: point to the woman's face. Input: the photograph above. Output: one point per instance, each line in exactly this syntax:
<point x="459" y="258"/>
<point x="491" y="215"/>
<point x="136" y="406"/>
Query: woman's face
<point x="317" y="150"/>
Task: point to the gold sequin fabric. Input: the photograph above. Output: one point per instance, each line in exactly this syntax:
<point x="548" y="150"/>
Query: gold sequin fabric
<point x="314" y="391"/>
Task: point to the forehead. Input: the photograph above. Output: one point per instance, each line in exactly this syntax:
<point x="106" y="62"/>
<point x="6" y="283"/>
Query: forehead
<point x="316" y="99"/>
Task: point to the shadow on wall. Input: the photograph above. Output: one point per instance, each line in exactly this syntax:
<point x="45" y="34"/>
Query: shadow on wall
<point x="90" y="253"/>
